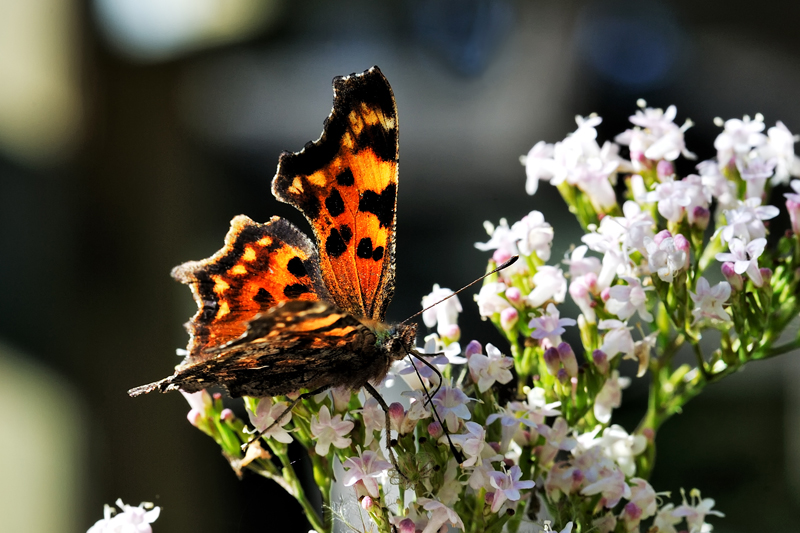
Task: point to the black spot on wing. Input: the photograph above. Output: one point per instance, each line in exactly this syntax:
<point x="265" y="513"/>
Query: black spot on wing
<point x="295" y="290"/>
<point x="345" y="178"/>
<point x="297" y="268"/>
<point x="263" y="297"/>
<point x="364" y="249"/>
<point x="334" y="203"/>
<point x="334" y="244"/>
<point x="382" y="141"/>
<point x="346" y="233"/>
<point x="381" y="205"/>
<point x="377" y="253"/>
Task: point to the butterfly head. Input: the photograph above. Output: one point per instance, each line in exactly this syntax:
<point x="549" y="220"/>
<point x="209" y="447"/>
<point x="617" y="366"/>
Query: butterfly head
<point x="399" y="339"/>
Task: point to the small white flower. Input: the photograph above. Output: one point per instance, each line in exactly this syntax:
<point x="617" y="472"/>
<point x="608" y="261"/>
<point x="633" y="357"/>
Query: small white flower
<point x="708" y="302"/>
<point x="444" y="314"/>
<point x="696" y="512"/>
<point x="539" y="165"/>
<point x="440" y="515"/>
<point x="612" y="486"/>
<point x="329" y="431"/>
<point x="610" y="396"/>
<point x="451" y="404"/>
<point x="739" y="137"/>
<point x="618" y="339"/>
<point x="549" y="285"/>
<point x="625" y="300"/>
<point x="556" y="438"/>
<point x="130" y="520"/>
<point x="490" y="300"/>
<point x="266" y="414"/>
<point x="580" y="264"/>
<point x="502" y="239"/>
<point x="550" y="326"/>
<point x="745" y="257"/>
<point x="672" y="197"/>
<point x="486" y="369"/>
<point x="535" y="408"/>
<point x="365" y="468"/>
<point x="507" y="486"/>
<point x="374" y="419"/>
<point x="780" y="148"/>
<point x="665" y="520"/>
<point x="642" y="503"/>
<point x="657" y="136"/>
<point x="534" y="235"/>
<point x="665" y="258"/>
<point x="746" y="220"/>
<point x="471" y="443"/>
<point x="622" y="448"/>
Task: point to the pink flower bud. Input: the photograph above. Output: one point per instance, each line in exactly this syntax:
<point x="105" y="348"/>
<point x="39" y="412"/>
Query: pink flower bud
<point x="435" y="430"/>
<point x="682" y="244"/>
<point x="661" y="235"/>
<point x="489" y="498"/>
<point x="472" y="348"/>
<point x="500" y="256"/>
<point x="701" y="217"/>
<point x="735" y="280"/>
<point x="562" y="376"/>
<point x="508" y="462"/>
<point x="194" y="416"/>
<point x="568" y="359"/>
<point x="513" y="295"/>
<point x="396" y="415"/>
<point x="766" y="276"/>
<point x="217" y="396"/>
<point x="406" y="525"/>
<point x="605" y="294"/>
<point x="794" y="215"/>
<point x="665" y="169"/>
<point x="366" y="503"/>
<point x="452" y="332"/>
<point x="649" y="434"/>
<point x="601" y="361"/>
<point x="577" y="477"/>
<point x="227" y="415"/>
<point x="508" y="318"/>
<point x="552" y="361"/>
<point x="632" y="511"/>
<point x="495" y="446"/>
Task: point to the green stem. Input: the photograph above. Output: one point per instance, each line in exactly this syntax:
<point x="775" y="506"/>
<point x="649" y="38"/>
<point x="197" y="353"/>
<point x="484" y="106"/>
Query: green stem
<point x="299" y="494"/>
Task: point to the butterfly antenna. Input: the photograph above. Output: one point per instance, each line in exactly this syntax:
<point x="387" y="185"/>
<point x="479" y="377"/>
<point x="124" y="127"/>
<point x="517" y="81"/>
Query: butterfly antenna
<point x="498" y="269"/>
<point x="457" y="454"/>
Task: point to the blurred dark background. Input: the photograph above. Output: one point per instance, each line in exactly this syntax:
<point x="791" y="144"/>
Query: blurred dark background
<point x="132" y="131"/>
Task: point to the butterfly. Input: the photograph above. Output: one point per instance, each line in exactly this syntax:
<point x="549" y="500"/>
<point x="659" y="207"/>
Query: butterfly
<point x="277" y="312"/>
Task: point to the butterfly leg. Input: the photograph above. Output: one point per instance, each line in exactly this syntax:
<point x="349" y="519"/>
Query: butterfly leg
<point x="307" y="395"/>
<point x="457" y="454"/>
<point x="375" y="394"/>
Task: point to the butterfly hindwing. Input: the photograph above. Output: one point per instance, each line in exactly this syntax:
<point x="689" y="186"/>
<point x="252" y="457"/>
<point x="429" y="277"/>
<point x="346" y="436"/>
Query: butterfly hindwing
<point x="259" y="266"/>
<point x="296" y="344"/>
<point x="345" y="184"/>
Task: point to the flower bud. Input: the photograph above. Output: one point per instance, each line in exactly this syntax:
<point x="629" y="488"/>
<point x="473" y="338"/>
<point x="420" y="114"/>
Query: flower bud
<point x="794" y="215"/>
<point x="396" y="415"/>
<point x="735" y="280"/>
<point x="605" y="294"/>
<point x="568" y="359"/>
<point x="682" y="244"/>
<point x="552" y="361"/>
<point x="489" y="498"/>
<point x="562" y="376"/>
<point x="472" y="348"/>
<point x="227" y="415"/>
<point x="701" y="217"/>
<point x="632" y="511"/>
<point x="495" y="446"/>
<point x="513" y="295"/>
<point x="665" y="169"/>
<point x="601" y="361"/>
<point x="435" y="430"/>
<point x="661" y="235"/>
<point x="508" y="318"/>
<point x="451" y="332"/>
<point x="366" y="502"/>
<point x="217" y="396"/>
<point x="194" y="416"/>
<point x="406" y="525"/>
<point x="500" y="256"/>
<point x="766" y="276"/>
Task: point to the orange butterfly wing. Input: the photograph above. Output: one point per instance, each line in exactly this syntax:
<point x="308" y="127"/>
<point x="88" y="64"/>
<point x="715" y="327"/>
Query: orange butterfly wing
<point x="259" y="266"/>
<point x="345" y="183"/>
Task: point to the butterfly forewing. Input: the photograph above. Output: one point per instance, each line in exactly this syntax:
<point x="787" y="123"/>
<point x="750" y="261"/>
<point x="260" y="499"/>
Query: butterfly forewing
<point x="345" y="184"/>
